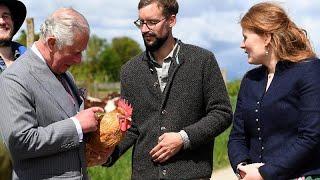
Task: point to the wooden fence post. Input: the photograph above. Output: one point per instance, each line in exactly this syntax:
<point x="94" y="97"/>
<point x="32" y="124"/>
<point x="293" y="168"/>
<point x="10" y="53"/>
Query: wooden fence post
<point x="30" y="31"/>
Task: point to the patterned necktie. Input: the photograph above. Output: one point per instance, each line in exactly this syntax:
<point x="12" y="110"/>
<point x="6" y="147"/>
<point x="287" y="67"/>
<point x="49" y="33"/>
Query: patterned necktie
<point x="66" y="87"/>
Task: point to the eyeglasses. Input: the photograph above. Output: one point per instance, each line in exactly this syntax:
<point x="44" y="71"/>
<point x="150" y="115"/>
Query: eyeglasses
<point x="151" y="24"/>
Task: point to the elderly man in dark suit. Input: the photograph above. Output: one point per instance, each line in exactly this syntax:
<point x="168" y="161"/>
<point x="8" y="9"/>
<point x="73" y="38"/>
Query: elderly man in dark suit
<point x="42" y="122"/>
<point x="179" y="98"/>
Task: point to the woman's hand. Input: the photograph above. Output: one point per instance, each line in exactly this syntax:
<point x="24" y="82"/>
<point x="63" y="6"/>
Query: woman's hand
<point x="251" y="171"/>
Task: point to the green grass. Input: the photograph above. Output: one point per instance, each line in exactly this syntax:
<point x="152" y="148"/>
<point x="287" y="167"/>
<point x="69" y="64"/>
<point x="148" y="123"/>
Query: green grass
<point x="220" y="158"/>
<point x="121" y="170"/>
<point x="220" y="155"/>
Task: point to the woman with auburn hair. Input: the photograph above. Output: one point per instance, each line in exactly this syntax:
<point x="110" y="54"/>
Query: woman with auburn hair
<point x="276" y="126"/>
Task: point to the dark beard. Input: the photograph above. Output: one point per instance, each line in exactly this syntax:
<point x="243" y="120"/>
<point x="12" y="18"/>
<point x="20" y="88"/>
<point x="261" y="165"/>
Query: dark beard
<point x="5" y="43"/>
<point x="156" y="44"/>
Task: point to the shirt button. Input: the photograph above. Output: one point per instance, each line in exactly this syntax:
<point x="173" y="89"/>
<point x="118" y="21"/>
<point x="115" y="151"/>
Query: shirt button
<point x="256" y="110"/>
<point x="163" y="128"/>
<point x="262" y="148"/>
<point x="258" y="102"/>
<point x="258" y="129"/>
<point x="163" y="112"/>
<point x="259" y="138"/>
<point x="257" y="120"/>
<point x="164" y="172"/>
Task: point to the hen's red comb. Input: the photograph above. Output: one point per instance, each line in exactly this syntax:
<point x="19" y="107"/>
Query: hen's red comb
<point x="123" y="104"/>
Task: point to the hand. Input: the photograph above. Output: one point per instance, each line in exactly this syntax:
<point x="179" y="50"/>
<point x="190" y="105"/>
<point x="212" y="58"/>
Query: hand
<point x="251" y="171"/>
<point x="168" y="145"/>
<point x="88" y="120"/>
<point x="96" y="157"/>
<point x="241" y="173"/>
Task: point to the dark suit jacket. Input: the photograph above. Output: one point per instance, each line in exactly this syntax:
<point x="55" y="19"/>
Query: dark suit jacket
<point x="35" y="122"/>
<point x="280" y="127"/>
<point x="195" y="99"/>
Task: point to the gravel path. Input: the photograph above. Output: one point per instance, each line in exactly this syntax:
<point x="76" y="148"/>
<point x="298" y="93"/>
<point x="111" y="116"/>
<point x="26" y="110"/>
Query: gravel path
<point x="224" y="174"/>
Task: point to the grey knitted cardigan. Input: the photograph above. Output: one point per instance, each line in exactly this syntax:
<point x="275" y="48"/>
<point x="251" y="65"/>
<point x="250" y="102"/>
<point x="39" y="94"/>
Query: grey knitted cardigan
<point x="195" y="100"/>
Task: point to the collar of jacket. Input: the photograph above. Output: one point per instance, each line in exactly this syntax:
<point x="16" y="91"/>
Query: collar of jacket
<point x="177" y="56"/>
<point x="174" y="67"/>
<point x="283" y="65"/>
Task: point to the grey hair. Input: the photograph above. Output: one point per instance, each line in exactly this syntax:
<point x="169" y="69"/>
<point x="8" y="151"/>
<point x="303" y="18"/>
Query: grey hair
<point x="64" y="26"/>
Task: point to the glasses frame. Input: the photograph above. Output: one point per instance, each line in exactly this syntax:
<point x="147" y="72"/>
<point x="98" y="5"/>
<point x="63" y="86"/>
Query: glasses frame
<point x="153" y="23"/>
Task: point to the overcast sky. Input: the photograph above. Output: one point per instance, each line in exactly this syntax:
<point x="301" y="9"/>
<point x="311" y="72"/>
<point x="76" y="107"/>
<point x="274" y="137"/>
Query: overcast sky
<point x="212" y="24"/>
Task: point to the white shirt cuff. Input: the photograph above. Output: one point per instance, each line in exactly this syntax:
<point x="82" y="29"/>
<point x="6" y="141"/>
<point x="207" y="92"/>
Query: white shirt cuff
<point x="78" y="126"/>
<point x="185" y="139"/>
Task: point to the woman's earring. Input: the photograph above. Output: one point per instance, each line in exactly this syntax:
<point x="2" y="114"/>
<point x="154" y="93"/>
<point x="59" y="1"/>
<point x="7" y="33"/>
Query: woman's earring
<point x="266" y="52"/>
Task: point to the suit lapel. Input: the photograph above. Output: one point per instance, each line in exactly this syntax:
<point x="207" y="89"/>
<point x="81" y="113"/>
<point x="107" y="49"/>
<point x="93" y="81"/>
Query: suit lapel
<point x="41" y="72"/>
<point x="74" y="89"/>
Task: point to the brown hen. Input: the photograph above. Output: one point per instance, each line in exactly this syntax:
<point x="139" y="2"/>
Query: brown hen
<point x="111" y="130"/>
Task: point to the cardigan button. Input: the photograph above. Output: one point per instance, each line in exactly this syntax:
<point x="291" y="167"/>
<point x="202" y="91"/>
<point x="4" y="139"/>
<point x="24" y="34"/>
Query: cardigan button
<point x="155" y="84"/>
<point x="163" y="112"/>
<point x="162" y="128"/>
<point x="258" y="102"/>
<point x="256" y="110"/>
<point x="164" y="172"/>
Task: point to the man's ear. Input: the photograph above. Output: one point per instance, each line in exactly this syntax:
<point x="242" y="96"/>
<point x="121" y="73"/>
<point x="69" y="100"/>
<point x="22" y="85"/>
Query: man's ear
<point x="172" y="20"/>
<point x="51" y="43"/>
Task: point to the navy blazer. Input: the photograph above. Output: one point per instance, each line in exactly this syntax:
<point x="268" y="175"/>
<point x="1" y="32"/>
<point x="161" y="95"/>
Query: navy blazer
<point x="281" y="126"/>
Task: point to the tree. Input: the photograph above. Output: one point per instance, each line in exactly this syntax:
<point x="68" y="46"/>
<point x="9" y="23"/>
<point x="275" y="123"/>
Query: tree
<point x="95" y="47"/>
<point x="102" y="61"/>
<point x="233" y="87"/>
<point x="112" y="58"/>
<point x="89" y="70"/>
<point x="126" y="48"/>
<point x="109" y="65"/>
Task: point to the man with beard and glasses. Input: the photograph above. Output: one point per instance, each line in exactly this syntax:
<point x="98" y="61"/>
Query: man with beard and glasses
<point x="12" y="15"/>
<point x="180" y="103"/>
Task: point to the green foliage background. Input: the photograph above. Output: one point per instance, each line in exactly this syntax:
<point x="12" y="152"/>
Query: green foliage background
<point x="102" y="60"/>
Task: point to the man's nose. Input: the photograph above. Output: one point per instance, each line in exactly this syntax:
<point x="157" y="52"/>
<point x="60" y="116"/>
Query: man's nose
<point x="2" y="21"/>
<point x="144" y="28"/>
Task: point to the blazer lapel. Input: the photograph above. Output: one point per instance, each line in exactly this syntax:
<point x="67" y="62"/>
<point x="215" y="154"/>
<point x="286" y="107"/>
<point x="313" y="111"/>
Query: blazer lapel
<point x="74" y="89"/>
<point x="52" y="85"/>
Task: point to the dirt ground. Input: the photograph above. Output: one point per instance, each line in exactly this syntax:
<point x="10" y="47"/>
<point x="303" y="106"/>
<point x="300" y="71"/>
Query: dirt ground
<point x="224" y="174"/>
